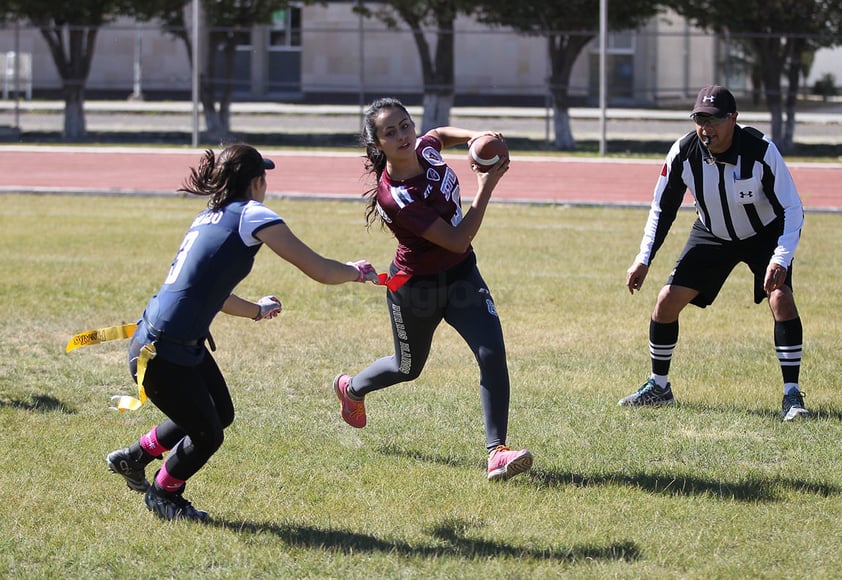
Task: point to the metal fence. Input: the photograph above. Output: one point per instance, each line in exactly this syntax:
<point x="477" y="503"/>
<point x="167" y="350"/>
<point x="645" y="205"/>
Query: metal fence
<point x="341" y="67"/>
<point x="647" y="67"/>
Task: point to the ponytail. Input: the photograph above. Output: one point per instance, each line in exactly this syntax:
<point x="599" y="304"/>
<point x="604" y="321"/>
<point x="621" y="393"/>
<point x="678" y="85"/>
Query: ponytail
<point x="226" y="177"/>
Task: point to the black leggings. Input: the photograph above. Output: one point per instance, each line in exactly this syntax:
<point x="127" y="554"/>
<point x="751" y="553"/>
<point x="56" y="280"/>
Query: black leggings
<point x="461" y="298"/>
<point x="199" y="407"/>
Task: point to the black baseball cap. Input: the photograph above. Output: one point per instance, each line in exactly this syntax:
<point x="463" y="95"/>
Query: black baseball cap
<point x="268" y="164"/>
<point x="715" y="100"/>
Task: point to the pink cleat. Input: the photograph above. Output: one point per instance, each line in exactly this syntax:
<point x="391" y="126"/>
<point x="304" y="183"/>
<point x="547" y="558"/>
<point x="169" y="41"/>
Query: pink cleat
<point x="353" y="410"/>
<point x="504" y="463"/>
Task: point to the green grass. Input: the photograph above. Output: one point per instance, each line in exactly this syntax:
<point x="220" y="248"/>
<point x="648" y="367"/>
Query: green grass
<point x="717" y="487"/>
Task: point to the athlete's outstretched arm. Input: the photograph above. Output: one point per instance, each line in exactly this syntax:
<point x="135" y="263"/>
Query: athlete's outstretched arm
<point x="325" y="270"/>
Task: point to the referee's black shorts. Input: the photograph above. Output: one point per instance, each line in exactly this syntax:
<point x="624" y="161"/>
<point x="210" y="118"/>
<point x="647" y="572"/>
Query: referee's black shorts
<point x="706" y="261"/>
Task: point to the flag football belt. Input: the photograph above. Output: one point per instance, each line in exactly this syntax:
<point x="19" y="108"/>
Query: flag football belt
<point x="160" y="335"/>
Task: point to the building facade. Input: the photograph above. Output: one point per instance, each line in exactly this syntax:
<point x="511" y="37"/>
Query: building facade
<point x="327" y="52"/>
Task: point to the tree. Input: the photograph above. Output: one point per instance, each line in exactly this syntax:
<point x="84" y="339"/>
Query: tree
<point x="781" y="35"/>
<point x="225" y="23"/>
<point x="568" y="27"/>
<point x="425" y="18"/>
<point x="70" y="31"/>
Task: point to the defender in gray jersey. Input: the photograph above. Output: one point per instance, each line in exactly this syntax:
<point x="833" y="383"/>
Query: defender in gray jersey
<point x="748" y="210"/>
<point x="182" y="379"/>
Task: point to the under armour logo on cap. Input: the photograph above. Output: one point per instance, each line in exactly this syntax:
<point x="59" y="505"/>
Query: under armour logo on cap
<point x="715" y="100"/>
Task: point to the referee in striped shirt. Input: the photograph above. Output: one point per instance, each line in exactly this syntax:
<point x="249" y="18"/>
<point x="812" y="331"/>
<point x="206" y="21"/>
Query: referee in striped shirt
<point x="749" y="211"/>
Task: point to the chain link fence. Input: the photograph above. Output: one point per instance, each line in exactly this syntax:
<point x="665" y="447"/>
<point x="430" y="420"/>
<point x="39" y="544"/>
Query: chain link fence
<point x="348" y="62"/>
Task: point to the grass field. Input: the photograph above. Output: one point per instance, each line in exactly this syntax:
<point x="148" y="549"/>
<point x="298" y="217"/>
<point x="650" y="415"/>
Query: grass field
<point x="717" y="487"/>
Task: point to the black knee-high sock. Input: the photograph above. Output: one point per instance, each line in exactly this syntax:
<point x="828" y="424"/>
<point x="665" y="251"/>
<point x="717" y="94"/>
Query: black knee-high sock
<point x="662" y="340"/>
<point x="788" y="346"/>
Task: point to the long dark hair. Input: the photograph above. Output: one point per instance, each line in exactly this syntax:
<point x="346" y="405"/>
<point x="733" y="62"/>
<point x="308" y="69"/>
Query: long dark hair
<point x="375" y="163"/>
<point x="225" y="177"/>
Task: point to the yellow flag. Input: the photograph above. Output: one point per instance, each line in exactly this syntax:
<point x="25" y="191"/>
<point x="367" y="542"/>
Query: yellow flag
<point x="125" y="403"/>
<point x="101" y="335"/>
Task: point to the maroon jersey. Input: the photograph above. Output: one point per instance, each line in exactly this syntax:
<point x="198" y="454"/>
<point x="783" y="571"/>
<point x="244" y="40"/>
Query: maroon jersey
<point x="409" y="207"/>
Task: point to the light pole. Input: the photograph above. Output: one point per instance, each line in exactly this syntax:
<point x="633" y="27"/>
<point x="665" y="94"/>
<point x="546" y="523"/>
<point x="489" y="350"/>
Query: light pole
<point x="195" y="73"/>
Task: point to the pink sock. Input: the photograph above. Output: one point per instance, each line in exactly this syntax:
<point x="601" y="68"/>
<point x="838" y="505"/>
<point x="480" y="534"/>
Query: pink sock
<point x="166" y="481"/>
<point x="149" y="443"/>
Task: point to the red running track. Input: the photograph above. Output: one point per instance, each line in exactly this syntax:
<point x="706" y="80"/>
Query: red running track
<point x="530" y="179"/>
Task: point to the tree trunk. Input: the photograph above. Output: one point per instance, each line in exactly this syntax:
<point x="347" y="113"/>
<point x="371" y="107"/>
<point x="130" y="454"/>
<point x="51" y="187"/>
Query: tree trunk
<point x="216" y="88"/>
<point x="229" y="55"/>
<point x="771" y="60"/>
<point x="206" y="96"/>
<point x="437" y="106"/>
<point x="73" y="64"/>
<point x="74" y="110"/>
<point x="564" y="140"/>
<point x="563" y="50"/>
<point x="756" y="74"/>
<point x="773" y="103"/>
<point x="787" y="143"/>
<point x="437" y="65"/>
<point x="795" y="64"/>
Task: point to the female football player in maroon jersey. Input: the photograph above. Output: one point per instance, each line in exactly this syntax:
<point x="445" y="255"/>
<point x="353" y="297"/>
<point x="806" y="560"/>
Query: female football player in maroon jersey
<point x="434" y="274"/>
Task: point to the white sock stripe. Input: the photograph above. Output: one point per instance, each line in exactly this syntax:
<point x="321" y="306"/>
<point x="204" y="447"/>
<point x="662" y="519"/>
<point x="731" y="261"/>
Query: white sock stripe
<point x="789" y="355"/>
<point x="789" y="348"/>
<point x="655" y="353"/>
<point x="795" y="363"/>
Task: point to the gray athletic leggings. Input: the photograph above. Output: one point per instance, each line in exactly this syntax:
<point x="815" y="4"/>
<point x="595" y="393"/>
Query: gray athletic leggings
<point x="461" y="298"/>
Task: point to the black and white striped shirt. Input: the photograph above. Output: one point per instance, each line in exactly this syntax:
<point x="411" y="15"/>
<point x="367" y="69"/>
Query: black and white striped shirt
<point x="736" y="194"/>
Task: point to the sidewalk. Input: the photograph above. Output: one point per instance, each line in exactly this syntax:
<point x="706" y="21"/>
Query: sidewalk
<point x="820" y="126"/>
<point x="831" y="113"/>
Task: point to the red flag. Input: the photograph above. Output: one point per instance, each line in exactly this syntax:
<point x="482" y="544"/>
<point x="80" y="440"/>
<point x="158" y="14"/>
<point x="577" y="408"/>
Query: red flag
<point x="394" y="282"/>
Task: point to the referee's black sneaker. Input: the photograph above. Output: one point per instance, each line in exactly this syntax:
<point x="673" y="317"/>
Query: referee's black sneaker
<point x="792" y="406"/>
<point x="650" y="395"/>
<point x="134" y="472"/>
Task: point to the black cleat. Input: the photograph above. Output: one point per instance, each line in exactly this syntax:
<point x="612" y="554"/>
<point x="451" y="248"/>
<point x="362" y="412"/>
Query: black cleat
<point x="172" y="506"/>
<point x="134" y="472"/>
<point x="649" y="395"/>
<point x="792" y="407"/>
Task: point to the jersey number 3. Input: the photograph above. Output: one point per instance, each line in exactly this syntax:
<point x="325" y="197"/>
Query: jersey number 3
<point x="181" y="256"/>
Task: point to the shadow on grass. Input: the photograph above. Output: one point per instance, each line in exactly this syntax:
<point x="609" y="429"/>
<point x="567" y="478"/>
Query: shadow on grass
<point x="751" y="490"/>
<point x="449" y="543"/>
<point x="819" y="413"/>
<point x="825" y="413"/>
<point x="41" y="403"/>
<point x="395" y="451"/>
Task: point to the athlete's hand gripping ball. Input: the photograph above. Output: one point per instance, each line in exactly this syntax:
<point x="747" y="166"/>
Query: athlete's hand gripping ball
<point x="270" y="307"/>
<point x="366" y="270"/>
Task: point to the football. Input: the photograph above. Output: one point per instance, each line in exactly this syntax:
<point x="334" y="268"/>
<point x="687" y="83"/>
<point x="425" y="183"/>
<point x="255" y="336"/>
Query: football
<point x="487" y="151"/>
